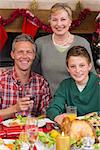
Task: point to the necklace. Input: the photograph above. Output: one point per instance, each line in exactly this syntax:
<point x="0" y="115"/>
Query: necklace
<point x="66" y="42"/>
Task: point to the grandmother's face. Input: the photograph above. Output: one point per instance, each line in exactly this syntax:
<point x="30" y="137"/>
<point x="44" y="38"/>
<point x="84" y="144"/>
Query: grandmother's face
<point x="60" y="22"/>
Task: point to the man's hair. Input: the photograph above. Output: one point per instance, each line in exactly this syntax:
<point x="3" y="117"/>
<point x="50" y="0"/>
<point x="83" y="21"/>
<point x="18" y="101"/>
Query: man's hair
<point x="23" y="37"/>
<point x="78" y="51"/>
<point x="61" y="6"/>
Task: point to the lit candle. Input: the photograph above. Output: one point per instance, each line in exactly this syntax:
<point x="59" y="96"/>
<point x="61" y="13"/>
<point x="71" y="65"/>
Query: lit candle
<point x="63" y="142"/>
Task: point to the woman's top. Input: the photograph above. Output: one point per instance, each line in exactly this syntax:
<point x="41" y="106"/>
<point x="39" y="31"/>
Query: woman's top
<point x="52" y="62"/>
<point x="86" y="101"/>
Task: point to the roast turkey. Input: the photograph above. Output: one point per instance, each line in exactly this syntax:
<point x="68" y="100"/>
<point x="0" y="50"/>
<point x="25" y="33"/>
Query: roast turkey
<point x="77" y="128"/>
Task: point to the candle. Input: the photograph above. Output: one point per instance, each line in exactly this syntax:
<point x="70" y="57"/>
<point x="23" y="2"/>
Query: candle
<point x="63" y="142"/>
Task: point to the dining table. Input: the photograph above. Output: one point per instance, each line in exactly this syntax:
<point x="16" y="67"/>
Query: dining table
<point x="11" y="133"/>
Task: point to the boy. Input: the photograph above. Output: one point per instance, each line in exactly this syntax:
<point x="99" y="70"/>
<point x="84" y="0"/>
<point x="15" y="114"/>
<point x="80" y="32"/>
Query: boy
<point x="81" y="89"/>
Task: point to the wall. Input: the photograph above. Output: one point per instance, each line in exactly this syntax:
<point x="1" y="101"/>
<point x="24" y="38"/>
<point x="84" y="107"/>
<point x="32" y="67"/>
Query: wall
<point x="88" y="26"/>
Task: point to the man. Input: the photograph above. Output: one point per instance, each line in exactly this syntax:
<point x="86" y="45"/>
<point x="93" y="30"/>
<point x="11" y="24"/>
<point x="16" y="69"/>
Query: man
<point x="18" y="85"/>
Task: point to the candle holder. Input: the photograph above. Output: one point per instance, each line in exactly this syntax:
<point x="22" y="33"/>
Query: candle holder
<point x="63" y="142"/>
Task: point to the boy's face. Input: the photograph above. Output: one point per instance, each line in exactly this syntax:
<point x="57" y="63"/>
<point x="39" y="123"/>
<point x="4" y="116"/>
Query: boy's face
<point x="79" y="67"/>
<point x="23" y="55"/>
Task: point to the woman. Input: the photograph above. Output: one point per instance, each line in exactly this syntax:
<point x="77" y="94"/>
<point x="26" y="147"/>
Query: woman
<point x="82" y="89"/>
<point x="51" y="49"/>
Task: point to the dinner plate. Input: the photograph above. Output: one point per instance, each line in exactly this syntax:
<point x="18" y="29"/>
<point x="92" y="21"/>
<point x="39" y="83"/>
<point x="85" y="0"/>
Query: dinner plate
<point x="24" y="146"/>
<point x="47" y="120"/>
<point x="6" y="141"/>
<point x="41" y="122"/>
<point x="80" y="117"/>
<point x="7" y="122"/>
<point x="3" y="147"/>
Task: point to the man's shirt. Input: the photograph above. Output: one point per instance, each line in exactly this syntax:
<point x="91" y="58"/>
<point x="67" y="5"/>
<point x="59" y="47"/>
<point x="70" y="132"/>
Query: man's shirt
<point x="11" y="90"/>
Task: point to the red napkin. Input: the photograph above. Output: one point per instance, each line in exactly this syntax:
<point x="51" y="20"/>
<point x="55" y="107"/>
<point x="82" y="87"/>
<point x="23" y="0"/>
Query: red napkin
<point x="13" y="132"/>
<point x="2" y="132"/>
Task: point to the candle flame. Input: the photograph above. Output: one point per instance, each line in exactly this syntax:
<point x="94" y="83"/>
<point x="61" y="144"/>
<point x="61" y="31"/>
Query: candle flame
<point x="62" y="134"/>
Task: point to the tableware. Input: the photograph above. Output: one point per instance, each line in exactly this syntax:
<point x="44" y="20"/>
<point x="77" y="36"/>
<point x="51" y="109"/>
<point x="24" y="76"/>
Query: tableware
<point x="8" y="141"/>
<point x="3" y="144"/>
<point x="71" y="112"/>
<point x="7" y="123"/>
<point x="63" y="142"/>
<point x="31" y="130"/>
<point x="3" y="147"/>
<point x="41" y="146"/>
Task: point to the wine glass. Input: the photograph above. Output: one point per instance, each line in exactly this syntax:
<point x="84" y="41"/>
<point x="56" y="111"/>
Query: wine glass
<point x="31" y="128"/>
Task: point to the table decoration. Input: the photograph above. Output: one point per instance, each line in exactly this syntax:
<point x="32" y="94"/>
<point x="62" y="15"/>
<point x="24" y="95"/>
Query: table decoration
<point x="63" y="142"/>
<point x="31" y="130"/>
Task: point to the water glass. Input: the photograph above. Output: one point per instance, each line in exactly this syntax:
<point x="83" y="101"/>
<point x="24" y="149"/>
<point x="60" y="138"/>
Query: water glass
<point x="71" y="112"/>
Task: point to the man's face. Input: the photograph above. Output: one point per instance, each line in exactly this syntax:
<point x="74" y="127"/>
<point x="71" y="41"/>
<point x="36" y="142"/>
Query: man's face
<point x="23" y="55"/>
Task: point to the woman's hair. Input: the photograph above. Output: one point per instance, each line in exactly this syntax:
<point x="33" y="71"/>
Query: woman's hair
<point x="60" y="6"/>
<point x="78" y="51"/>
<point x="23" y="37"/>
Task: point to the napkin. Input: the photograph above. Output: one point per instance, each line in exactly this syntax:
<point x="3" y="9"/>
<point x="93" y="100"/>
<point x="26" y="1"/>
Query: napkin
<point x="2" y="132"/>
<point x="13" y="132"/>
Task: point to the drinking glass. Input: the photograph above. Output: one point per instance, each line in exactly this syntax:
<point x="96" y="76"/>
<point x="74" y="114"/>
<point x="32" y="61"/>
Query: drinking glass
<point x="31" y="130"/>
<point x="71" y="112"/>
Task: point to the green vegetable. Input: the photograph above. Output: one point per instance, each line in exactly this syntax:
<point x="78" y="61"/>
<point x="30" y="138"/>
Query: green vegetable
<point x="22" y="119"/>
<point x="46" y="139"/>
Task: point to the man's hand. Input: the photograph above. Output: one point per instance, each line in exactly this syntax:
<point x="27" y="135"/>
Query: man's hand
<point x="24" y="104"/>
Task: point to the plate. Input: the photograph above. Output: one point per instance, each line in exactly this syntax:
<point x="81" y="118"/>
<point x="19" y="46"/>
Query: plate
<point x="7" y="122"/>
<point x="47" y="120"/>
<point x="6" y="141"/>
<point x="80" y="117"/>
<point x="41" y="122"/>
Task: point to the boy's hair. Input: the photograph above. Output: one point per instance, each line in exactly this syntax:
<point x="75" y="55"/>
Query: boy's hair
<point x="78" y="51"/>
<point x="60" y="6"/>
<point x="23" y="37"/>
